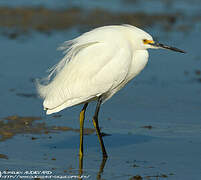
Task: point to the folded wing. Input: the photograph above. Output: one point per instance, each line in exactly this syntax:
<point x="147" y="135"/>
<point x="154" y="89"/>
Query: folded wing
<point x="92" y="71"/>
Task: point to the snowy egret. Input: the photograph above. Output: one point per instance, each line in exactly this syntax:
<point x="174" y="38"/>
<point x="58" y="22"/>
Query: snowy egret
<point x="96" y="65"/>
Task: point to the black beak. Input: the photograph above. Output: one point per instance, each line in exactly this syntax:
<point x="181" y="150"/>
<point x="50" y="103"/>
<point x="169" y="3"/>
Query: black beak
<point x="166" y="47"/>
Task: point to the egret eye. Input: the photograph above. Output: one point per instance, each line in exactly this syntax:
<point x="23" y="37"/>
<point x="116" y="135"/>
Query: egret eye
<point x="145" y="41"/>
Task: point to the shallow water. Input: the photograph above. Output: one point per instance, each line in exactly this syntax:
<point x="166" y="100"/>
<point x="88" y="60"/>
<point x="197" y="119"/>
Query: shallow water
<point x="152" y="6"/>
<point x="153" y="124"/>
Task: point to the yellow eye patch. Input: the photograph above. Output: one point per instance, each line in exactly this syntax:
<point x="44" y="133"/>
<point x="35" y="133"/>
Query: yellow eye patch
<point x="145" y="41"/>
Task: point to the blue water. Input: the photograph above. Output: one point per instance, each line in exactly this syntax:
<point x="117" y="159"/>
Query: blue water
<point x="152" y="6"/>
<point x="166" y="95"/>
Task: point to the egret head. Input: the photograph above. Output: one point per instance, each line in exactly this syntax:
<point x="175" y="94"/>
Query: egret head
<point x="143" y="40"/>
<point x="149" y="43"/>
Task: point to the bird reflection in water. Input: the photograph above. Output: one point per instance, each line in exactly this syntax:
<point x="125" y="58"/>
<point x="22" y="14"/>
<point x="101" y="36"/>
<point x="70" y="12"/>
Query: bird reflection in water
<point x="102" y="165"/>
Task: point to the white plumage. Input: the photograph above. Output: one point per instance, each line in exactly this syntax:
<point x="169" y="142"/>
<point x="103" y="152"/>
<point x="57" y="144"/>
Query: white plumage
<point x="99" y="62"/>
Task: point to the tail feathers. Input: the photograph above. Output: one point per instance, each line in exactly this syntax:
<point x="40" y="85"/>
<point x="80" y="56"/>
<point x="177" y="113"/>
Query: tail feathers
<point x="70" y="103"/>
<point x="59" y="108"/>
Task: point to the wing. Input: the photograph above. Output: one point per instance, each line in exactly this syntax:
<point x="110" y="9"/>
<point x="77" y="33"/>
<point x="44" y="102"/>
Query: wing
<point x="95" y="70"/>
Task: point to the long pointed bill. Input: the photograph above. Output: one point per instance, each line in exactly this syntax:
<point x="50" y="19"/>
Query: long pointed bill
<point x="166" y="47"/>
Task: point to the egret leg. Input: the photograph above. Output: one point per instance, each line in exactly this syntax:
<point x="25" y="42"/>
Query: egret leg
<point x="96" y="125"/>
<point x="82" y="116"/>
<point x="101" y="168"/>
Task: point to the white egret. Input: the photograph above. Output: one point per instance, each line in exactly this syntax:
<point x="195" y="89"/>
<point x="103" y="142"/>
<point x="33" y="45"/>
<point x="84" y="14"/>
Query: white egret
<point x="96" y="65"/>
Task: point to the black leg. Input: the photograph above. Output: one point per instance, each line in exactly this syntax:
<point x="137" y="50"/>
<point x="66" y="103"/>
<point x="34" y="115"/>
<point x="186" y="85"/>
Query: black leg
<point x="101" y="168"/>
<point x="96" y="125"/>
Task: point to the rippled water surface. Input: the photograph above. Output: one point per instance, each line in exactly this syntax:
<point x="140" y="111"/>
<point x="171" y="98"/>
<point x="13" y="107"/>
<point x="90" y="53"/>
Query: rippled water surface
<point x="152" y="125"/>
